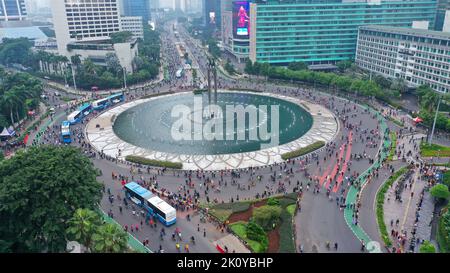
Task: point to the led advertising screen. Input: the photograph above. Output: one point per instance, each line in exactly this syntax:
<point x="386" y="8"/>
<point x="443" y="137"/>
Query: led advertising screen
<point x="241" y="19"/>
<point x="212" y="18"/>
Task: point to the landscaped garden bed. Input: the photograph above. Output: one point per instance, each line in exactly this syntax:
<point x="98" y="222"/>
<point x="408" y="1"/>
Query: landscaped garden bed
<point x="264" y="225"/>
<point x="380" y="202"/>
<point x="303" y="151"/>
<point x="155" y="163"/>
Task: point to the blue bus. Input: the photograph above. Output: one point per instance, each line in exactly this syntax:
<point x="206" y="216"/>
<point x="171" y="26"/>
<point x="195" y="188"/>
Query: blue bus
<point x="154" y="205"/>
<point x="78" y="115"/>
<point x="137" y="194"/>
<point x="116" y="98"/>
<point x="85" y="109"/>
<point x="65" y="132"/>
<point x="75" y="117"/>
<point x="101" y="104"/>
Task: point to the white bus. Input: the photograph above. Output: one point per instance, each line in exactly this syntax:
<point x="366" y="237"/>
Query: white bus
<point x="165" y="213"/>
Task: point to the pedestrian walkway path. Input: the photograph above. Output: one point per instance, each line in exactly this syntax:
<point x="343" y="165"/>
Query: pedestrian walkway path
<point x="132" y="241"/>
<point x="408" y="216"/>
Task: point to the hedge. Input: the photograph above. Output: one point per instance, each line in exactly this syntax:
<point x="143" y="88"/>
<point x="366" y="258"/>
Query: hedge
<point x="380" y="202"/>
<point x="287" y="244"/>
<point x="155" y="163"/>
<point x="157" y="94"/>
<point x="303" y="151"/>
<point x="199" y="91"/>
<point x="393" y="146"/>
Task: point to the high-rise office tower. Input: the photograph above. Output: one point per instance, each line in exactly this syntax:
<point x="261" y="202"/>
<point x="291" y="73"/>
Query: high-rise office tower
<point x="137" y="8"/>
<point x="443" y="8"/>
<point x="12" y="10"/>
<point x="212" y="15"/>
<point x="316" y="31"/>
<point x="84" y="27"/>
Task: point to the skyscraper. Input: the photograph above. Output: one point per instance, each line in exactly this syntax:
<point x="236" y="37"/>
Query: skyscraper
<point x="84" y="27"/>
<point x="315" y="31"/>
<point x="442" y="7"/>
<point x="137" y="8"/>
<point x="12" y="10"/>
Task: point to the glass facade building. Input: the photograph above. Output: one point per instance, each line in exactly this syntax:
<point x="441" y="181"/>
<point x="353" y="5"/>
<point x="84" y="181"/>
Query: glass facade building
<point x="137" y="8"/>
<point x="12" y="10"/>
<point x="319" y="31"/>
<point x="442" y="7"/>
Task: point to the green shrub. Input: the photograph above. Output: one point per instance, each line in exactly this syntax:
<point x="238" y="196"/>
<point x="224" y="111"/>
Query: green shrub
<point x="446" y="178"/>
<point x="240" y="230"/>
<point x="440" y="191"/>
<point x="155" y="163"/>
<point x="256" y="233"/>
<point x="267" y="216"/>
<point x="199" y="91"/>
<point x="273" y="201"/>
<point x="303" y="151"/>
<point x="287" y="244"/>
<point x="157" y="94"/>
<point x="427" y="247"/>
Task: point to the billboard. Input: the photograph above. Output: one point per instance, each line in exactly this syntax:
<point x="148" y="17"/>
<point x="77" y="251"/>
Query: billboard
<point x="212" y="18"/>
<point x="241" y="19"/>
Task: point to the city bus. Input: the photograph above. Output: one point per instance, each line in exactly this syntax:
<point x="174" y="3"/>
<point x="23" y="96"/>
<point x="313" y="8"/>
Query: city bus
<point x="137" y="194"/>
<point x="85" y="109"/>
<point x="101" y="104"/>
<point x="116" y="98"/>
<point x="65" y="132"/>
<point x="165" y="213"/>
<point x="154" y="205"/>
<point x="75" y="117"/>
<point x="180" y="73"/>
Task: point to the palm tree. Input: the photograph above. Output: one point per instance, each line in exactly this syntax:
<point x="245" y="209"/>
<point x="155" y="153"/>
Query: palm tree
<point x="83" y="225"/>
<point x="109" y="238"/>
<point x="10" y="100"/>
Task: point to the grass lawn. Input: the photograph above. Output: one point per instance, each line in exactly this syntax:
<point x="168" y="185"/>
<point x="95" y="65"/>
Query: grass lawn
<point x="291" y="209"/>
<point x="221" y="214"/>
<point x="434" y="150"/>
<point x="239" y="228"/>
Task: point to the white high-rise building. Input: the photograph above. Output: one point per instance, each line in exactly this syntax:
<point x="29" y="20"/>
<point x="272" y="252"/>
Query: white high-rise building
<point x="84" y="27"/>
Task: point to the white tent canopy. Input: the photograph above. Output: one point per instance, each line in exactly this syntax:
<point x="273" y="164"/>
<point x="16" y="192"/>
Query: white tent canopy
<point x="5" y="133"/>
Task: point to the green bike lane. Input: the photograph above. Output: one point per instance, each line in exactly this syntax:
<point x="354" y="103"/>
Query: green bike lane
<point x="352" y="195"/>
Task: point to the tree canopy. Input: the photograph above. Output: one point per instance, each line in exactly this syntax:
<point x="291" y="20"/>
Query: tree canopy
<point x="427" y="247"/>
<point x="440" y="191"/>
<point x="40" y="189"/>
<point x="121" y="37"/>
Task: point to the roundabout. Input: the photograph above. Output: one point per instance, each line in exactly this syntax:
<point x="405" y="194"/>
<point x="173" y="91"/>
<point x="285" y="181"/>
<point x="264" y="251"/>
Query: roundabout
<point x="145" y="128"/>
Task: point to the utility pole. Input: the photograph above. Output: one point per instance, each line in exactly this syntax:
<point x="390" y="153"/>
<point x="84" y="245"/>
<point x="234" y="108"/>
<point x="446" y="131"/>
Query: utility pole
<point x="434" y="122"/>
